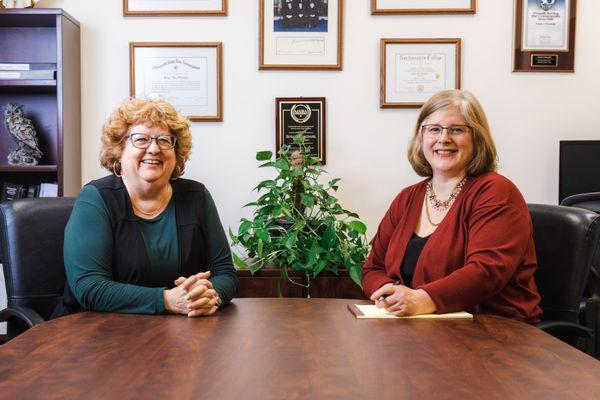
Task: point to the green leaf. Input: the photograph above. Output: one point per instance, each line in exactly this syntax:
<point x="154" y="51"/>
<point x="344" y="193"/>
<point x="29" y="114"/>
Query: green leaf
<point x="308" y="200"/>
<point x="259" y="248"/>
<point x="264" y="155"/>
<point x="355" y="275"/>
<point x="282" y="164"/>
<point x="328" y="239"/>
<point x="357" y="226"/>
<point x="238" y="261"/>
<point x="291" y="241"/>
<point x="263" y="234"/>
<point x="320" y="267"/>
<point x="244" y="226"/>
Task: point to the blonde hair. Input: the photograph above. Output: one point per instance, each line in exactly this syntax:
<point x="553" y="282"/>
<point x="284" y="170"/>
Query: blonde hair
<point x="152" y="112"/>
<point x="484" y="150"/>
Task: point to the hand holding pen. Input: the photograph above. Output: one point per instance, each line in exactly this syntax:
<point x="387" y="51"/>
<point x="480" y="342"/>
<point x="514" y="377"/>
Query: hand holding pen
<point x="400" y="300"/>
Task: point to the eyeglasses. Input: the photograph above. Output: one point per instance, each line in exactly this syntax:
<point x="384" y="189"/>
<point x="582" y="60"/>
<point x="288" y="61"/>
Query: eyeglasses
<point x="143" y="141"/>
<point x="435" y="130"/>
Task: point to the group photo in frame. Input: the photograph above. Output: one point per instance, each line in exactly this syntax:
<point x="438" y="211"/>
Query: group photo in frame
<point x="423" y="6"/>
<point x="412" y="70"/>
<point x="188" y="75"/>
<point x="544" y="35"/>
<point x="301" y="34"/>
<point x="174" y="7"/>
<point x="306" y="115"/>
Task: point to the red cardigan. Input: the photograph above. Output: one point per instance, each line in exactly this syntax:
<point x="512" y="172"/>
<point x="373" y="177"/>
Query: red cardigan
<point x="480" y="258"/>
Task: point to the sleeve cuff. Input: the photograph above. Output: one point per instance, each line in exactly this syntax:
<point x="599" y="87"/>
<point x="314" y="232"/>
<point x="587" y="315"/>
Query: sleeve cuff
<point x="160" y="301"/>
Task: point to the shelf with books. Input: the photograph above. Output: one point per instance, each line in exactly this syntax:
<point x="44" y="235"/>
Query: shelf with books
<point x="27" y="85"/>
<point x="28" y="168"/>
<point x="35" y="45"/>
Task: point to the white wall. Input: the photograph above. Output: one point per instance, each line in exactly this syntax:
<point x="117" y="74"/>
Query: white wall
<point x="529" y="112"/>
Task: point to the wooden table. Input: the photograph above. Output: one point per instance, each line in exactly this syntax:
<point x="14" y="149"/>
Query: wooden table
<point x="291" y="349"/>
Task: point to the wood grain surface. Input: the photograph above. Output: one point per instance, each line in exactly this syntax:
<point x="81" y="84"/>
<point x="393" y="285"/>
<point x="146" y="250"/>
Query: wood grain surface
<point x="291" y="349"/>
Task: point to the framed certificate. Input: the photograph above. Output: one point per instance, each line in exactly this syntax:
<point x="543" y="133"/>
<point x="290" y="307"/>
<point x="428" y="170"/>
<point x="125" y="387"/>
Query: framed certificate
<point x="423" y="6"/>
<point x="305" y="115"/>
<point x="174" y="7"/>
<point x="187" y="75"/>
<point x="545" y="35"/>
<point x="412" y="70"/>
<point x="301" y="34"/>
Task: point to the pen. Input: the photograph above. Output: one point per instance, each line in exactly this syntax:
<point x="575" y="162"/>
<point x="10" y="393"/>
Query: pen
<point x="382" y="298"/>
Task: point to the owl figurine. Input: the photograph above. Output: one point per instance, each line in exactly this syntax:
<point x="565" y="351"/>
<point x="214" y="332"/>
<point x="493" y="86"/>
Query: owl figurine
<point x="22" y="131"/>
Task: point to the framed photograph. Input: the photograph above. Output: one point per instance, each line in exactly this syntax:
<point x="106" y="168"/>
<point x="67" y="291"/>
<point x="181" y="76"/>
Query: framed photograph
<point x="412" y="70"/>
<point x="301" y="34"/>
<point x="174" y="7"/>
<point x="188" y="75"/>
<point x="545" y="35"/>
<point x="423" y="6"/>
<point x="296" y="115"/>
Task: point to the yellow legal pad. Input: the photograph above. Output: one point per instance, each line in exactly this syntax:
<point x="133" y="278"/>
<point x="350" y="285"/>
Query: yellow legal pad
<point x="367" y="311"/>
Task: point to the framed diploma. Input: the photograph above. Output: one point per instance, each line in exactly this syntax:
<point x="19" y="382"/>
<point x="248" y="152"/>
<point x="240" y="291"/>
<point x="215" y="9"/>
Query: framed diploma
<point x="188" y="75"/>
<point x="174" y="7"/>
<point x="412" y="70"/>
<point x="423" y="6"/>
<point x="545" y="35"/>
<point x="301" y="34"/>
<point x="305" y="115"/>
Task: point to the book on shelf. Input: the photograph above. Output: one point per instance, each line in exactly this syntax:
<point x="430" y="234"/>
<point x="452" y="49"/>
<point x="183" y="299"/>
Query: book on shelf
<point x="12" y="191"/>
<point x="48" y="190"/>
<point x="44" y="71"/>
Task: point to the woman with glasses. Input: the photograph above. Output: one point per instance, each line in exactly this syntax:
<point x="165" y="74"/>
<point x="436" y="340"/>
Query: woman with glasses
<point x="461" y="239"/>
<point x="144" y="240"/>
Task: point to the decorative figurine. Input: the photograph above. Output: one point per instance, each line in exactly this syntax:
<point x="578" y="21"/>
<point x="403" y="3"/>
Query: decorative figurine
<point x="18" y="3"/>
<point x="21" y="129"/>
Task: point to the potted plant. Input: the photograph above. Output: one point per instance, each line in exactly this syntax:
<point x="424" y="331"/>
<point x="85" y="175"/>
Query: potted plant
<point x="298" y="224"/>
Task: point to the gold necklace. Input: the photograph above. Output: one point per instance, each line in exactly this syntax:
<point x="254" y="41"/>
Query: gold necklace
<point x="157" y="209"/>
<point x="429" y="216"/>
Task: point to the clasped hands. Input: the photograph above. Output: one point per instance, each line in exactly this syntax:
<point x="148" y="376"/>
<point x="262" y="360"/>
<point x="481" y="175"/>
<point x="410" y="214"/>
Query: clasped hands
<point x="193" y="296"/>
<point x="402" y="301"/>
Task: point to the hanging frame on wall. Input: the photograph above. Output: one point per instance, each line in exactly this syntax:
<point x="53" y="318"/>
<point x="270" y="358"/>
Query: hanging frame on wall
<point x="174" y="7"/>
<point x="544" y="35"/>
<point x="188" y="75"/>
<point x="306" y="115"/>
<point x="412" y="70"/>
<point x="301" y="34"/>
<point x="423" y="6"/>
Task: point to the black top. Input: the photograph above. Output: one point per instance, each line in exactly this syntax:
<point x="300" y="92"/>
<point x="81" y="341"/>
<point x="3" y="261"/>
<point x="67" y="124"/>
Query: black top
<point x="411" y="256"/>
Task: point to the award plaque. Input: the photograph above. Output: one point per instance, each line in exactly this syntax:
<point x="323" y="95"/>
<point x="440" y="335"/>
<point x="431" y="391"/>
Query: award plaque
<point x="305" y="115"/>
<point x="545" y="35"/>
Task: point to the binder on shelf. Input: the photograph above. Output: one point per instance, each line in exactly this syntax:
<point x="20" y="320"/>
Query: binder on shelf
<point x="28" y="71"/>
<point x="48" y="190"/>
<point x="11" y="191"/>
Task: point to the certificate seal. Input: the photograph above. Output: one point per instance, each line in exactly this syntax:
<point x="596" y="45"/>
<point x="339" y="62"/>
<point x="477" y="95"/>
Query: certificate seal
<point x="546" y="4"/>
<point x="300" y="113"/>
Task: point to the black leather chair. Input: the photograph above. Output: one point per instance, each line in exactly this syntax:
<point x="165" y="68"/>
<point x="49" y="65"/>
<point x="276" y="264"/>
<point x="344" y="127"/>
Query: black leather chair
<point x="589" y="201"/>
<point x="566" y="240"/>
<point x="32" y="235"/>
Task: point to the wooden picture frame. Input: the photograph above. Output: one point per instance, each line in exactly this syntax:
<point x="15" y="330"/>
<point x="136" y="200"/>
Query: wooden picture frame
<point x="311" y="120"/>
<point x="290" y="39"/>
<point x="412" y="70"/>
<point x="174" y="8"/>
<point x="188" y="75"/>
<point x="544" y="36"/>
<point x="423" y="7"/>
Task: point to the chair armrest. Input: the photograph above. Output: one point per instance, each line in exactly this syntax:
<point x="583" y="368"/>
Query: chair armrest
<point x="562" y="327"/>
<point x="27" y="315"/>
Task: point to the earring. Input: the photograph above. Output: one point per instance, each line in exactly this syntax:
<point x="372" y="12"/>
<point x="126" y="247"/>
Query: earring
<point x="115" y="169"/>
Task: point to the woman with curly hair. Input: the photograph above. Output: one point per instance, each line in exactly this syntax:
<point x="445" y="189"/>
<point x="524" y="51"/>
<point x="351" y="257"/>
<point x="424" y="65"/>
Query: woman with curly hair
<point x="144" y="240"/>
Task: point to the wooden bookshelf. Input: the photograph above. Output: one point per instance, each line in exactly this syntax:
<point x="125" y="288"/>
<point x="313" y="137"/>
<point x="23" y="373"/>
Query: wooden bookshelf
<point x="52" y="36"/>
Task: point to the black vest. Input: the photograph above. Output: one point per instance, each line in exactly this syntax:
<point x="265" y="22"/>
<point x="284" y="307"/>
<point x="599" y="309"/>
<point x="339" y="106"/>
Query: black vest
<point x="130" y="262"/>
